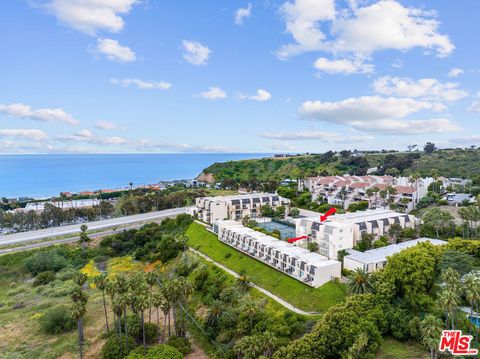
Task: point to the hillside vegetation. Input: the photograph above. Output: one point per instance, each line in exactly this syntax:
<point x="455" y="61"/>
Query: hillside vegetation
<point x="448" y="162"/>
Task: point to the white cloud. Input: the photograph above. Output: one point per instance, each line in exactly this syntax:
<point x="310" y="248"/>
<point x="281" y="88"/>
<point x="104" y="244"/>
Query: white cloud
<point x="344" y="66"/>
<point x="475" y="106"/>
<point x="90" y="16"/>
<point x="243" y="13"/>
<point x="361" y="31"/>
<point x="428" y="88"/>
<point x="455" y="72"/>
<point x="84" y="133"/>
<point x="378" y="114"/>
<point x="282" y="147"/>
<point x="20" y="110"/>
<point x="29" y="134"/>
<point x="114" y="51"/>
<point x="315" y="135"/>
<point x="302" y="22"/>
<point x="261" y="95"/>
<point x="213" y="93"/>
<point x="87" y="137"/>
<point x="105" y="125"/>
<point x="151" y="146"/>
<point x="141" y="84"/>
<point x="195" y="52"/>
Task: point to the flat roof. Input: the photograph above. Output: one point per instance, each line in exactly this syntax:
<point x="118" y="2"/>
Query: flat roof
<point x="380" y="254"/>
<point x="242" y="196"/>
<point x="356" y="217"/>
<point x="311" y="258"/>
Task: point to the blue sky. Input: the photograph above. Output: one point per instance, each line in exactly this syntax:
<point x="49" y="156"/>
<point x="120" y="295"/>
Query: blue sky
<point x="103" y="76"/>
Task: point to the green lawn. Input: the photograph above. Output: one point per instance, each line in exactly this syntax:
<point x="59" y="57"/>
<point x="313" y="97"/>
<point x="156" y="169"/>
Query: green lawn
<point x="289" y="289"/>
<point x="394" y="349"/>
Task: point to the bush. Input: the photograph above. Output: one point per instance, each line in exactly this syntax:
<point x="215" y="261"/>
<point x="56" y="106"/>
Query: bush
<point x="45" y="261"/>
<point x="150" y="333"/>
<point x="181" y="344"/>
<point x="57" y="289"/>
<point x="43" y="278"/>
<point x="66" y="273"/>
<point x="163" y="351"/>
<point x="57" y="320"/>
<point x="115" y="348"/>
<point x="15" y="291"/>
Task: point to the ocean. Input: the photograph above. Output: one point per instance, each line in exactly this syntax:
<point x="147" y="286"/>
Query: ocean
<point x="42" y="176"/>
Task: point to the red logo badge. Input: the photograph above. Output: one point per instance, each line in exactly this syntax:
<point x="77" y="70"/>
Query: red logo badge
<point x="456" y="343"/>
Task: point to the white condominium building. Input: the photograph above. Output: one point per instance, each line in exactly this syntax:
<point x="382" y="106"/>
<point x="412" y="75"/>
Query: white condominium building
<point x="344" y="190"/>
<point x="343" y="231"/>
<point x="375" y="259"/>
<point x="236" y="207"/>
<point x="308" y="267"/>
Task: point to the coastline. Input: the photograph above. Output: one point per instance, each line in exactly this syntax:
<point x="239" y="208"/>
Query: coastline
<point x="45" y="176"/>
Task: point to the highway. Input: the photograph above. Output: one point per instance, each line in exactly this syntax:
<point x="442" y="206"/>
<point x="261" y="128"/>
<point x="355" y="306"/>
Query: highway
<point x="25" y="237"/>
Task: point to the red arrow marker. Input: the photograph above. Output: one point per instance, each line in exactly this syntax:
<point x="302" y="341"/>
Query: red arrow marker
<point x="292" y="240"/>
<point x="327" y="214"/>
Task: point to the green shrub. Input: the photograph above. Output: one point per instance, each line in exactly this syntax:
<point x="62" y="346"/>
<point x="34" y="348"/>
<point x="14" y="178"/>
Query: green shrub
<point x="115" y="348"/>
<point x="43" y="278"/>
<point x="57" y="320"/>
<point x="150" y="333"/>
<point x="15" y="291"/>
<point x="57" y="289"/>
<point x="163" y="351"/>
<point x="67" y="273"/>
<point x="45" y="261"/>
<point x="181" y="344"/>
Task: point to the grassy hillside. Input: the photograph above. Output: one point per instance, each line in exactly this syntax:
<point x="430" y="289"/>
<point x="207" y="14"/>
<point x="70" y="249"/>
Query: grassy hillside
<point x="451" y="163"/>
<point x="289" y="289"/>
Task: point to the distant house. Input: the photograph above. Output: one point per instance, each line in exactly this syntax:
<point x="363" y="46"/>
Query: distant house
<point x="455" y="199"/>
<point x="376" y="259"/>
<point x="288" y="181"/>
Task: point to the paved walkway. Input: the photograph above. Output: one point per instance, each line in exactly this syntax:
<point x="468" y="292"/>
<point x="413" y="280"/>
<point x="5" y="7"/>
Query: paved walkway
<point x="264" y="291"/>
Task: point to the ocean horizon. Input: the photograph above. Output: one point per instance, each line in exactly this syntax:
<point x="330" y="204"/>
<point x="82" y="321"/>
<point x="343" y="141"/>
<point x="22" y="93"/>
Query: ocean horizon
<point x="40" y="175"/>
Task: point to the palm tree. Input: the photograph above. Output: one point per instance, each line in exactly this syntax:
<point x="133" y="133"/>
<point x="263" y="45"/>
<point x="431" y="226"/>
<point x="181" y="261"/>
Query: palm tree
<point x="166" y="308"/>
<point x="123" y="300"/>
<point x="471" y="284"/>
<point x="79" y="308"/>
<point x="101" y="283"/>
<point x="269" y="343"/>
<point x="250" y="308"/>
<point x="243" y="282"/>
<point x="359" y="282"/>
<point x="158" y="301"/>
<point x="449" y="298"/>
<point x="341" y="255"/>
<point x="214" y="313"/>
<point x="431" y="328"/>
<point x="140" y="300"/>
<point x="84" y="238"/>
<point x="151" y="279"/>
